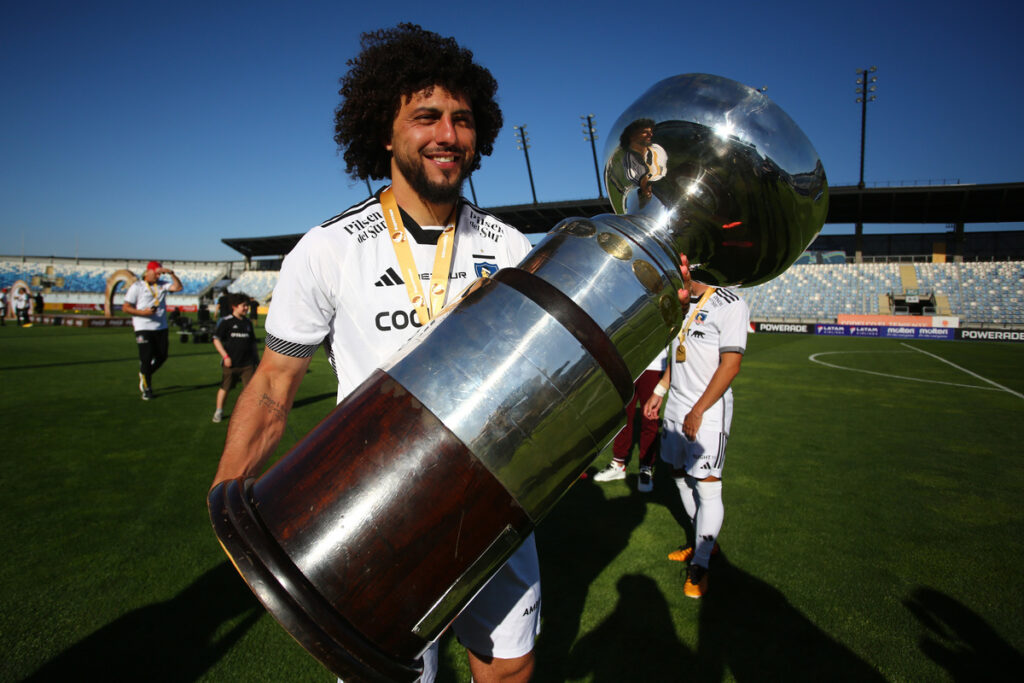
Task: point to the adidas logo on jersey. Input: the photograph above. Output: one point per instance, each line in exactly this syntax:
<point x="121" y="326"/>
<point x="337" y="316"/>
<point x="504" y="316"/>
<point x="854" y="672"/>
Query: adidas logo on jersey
<point x="391" y="278"/>
<point x="706" y="466"/>
<point x="388" y="279"/>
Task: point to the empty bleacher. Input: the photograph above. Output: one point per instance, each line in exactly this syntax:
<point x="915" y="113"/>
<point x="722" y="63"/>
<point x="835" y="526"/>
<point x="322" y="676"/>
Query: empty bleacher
<point x="259" y="284"/>
<point x="823" y="291"/>
<point x="63" y="277"/>
<point x="977" y="292"/>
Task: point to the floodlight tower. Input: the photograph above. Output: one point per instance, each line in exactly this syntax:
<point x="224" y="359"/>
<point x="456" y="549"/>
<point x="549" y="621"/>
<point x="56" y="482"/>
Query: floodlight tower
<point x="590" y="135"/>
<point x="523" y="141"/>
<point x="865" y="87"/>
<point x="864" y="90"/>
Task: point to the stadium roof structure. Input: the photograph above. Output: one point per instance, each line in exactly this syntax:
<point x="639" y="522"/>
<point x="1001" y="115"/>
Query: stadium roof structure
<point x="250" y="247"/>
<point x="949" y="204"/>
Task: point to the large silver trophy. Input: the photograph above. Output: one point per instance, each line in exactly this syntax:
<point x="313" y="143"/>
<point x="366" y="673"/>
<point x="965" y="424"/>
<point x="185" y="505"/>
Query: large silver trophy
<point x="367" y="539"/>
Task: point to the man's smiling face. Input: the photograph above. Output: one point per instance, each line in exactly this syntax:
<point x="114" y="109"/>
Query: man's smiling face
<point x="433" y="144"/>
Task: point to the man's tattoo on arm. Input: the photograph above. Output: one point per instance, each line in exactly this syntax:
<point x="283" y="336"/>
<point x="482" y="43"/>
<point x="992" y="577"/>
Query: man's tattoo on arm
<point x="273" y="407"/>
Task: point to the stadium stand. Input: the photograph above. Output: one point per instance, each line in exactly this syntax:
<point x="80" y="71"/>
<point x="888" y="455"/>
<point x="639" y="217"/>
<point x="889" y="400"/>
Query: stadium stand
<point x="84" y="281"/>
<point x="817" y="288"/>
<point x="823" y="291"/>
<point x="259" y="284"/>
<point x="71" y="277"/>
<point x="977" y="292"/>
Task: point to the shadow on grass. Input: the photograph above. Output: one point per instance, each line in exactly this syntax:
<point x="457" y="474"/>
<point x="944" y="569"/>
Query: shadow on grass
<point x="746" y="628"/>
<point x="172" y="640"/>
<point x="960" y="641"/>
<point x="93" y="361"/>
<point x="749" y="628"/>
<point x="575" y="544"/>
<point x="637" y="642"/>
<point x="309" y="400"/>
<point x="180" y="389"/>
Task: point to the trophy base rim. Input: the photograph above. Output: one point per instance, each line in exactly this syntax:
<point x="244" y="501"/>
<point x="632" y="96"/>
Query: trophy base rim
<point x="290" y="598"/>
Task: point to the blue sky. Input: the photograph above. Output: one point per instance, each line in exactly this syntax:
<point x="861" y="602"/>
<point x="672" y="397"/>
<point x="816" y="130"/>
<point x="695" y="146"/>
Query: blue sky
<point x="154" y="129"/>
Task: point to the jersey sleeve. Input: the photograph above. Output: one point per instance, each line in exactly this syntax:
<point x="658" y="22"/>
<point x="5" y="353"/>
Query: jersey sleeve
<point x="302" y="306"/>
<point x="221" y="332"/>
<point x="520" y="246"/>
<point x="735" y="323"/>
<point x="131" y="297"/>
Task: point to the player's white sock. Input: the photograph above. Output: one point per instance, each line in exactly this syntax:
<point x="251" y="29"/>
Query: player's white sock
<point x="710" y="514"/>
<point x="685" y="486"/>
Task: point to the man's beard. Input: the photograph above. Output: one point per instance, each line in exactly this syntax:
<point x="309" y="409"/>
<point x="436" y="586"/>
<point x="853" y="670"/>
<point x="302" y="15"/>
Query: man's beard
<point x="435" y="193"/>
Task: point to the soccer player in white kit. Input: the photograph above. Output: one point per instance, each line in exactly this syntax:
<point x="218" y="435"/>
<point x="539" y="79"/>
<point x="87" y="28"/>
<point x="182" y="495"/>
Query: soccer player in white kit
<point x="702" y="363"/>
<point x="146" y="300"/>
<point x="416" y="109"/>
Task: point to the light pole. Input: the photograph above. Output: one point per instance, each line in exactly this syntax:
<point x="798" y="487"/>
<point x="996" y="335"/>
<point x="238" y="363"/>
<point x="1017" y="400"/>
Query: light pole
<point x="864" y="90"/>
<point x="524" y="144"/>
<point x="590" y="134"/>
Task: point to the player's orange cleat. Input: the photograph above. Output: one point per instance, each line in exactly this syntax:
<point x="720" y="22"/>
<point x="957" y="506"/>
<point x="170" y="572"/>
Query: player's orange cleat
<point x="696" y="581"/>
<point x="682" y="554"/>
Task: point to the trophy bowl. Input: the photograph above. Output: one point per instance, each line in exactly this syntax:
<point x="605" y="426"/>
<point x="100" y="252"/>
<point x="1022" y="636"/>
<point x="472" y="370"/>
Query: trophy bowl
<point x="731" y="180"/>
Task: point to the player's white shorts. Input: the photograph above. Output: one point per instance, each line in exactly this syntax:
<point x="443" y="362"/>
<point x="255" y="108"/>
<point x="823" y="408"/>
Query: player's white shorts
<point x="701" y="458"/>
<point x="503" y="619"/>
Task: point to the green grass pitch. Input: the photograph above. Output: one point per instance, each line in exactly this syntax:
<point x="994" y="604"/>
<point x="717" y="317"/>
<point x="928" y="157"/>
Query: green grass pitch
<point x="874" y="526"/>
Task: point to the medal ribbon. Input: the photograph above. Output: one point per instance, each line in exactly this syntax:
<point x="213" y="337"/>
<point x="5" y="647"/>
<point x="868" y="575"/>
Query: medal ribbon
<point x="155" y="293"/>
<point x="407" y="264"/>
<point x="681" y="349"/>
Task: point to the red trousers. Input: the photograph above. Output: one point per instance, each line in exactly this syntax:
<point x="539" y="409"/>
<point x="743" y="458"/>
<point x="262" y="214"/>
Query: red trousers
<point x="623" y="444"/>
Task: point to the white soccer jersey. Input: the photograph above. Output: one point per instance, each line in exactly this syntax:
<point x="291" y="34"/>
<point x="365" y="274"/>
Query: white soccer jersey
<point x="719" y="327"/>
<point x="141" y="295"/>
<point x="658" y="363"/>
<point x="340" y="285"/>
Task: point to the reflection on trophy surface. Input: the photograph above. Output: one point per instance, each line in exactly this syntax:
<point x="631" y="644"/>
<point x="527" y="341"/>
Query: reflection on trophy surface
<point x="744" y="191"/>
<point x="369" y="537"/>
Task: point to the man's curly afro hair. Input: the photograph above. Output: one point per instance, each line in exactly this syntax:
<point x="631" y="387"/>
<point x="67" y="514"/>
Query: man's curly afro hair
<point x="395" y="63"/>
<point x="631" y="130"/>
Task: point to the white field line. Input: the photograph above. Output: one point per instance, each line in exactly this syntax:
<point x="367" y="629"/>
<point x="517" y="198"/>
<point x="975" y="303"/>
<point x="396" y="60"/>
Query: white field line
<point x="814" y="359"/>
<point x="962" y="369"/>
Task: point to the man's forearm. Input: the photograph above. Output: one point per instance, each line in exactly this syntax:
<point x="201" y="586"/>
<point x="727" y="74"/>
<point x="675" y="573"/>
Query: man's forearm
<point x="256" y="427"/>
<point x="260" y="416"/>
<point x="217" y="344"/>
<point x="176" y="285"/>
<point x="128" y="308"/>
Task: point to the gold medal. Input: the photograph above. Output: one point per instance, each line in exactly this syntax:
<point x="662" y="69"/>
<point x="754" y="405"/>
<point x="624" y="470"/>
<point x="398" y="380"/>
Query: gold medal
<point x="680" y="354"/>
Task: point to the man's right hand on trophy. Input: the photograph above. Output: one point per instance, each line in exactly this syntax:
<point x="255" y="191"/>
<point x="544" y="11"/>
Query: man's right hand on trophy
<point x="684" y="293"/>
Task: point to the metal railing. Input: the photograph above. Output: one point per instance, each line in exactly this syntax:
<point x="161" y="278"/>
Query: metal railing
<point x="903" y="183"/>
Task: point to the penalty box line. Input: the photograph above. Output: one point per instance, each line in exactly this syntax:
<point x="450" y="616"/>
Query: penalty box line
<point x="963" y="369"/>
